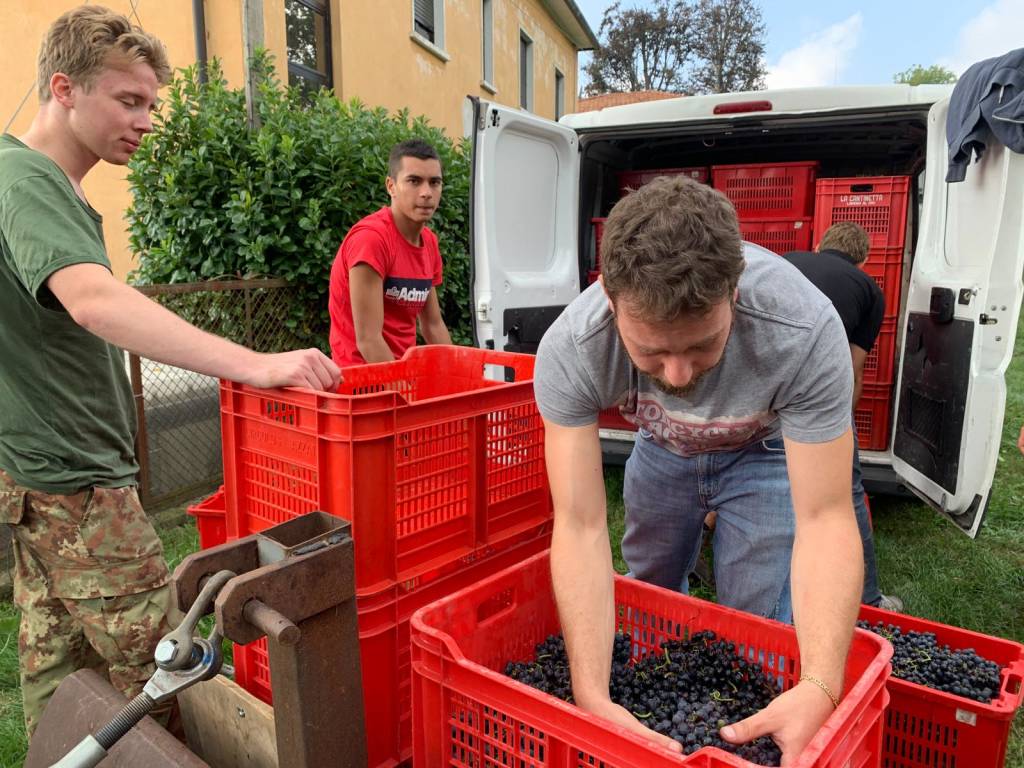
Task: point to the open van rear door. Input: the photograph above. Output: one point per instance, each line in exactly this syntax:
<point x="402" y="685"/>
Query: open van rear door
<point x="961" y="321"/>
<point x="525" y="188"/>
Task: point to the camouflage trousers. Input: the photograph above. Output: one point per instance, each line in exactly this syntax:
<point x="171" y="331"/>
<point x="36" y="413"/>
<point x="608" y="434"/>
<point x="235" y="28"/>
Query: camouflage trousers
<point x="92" y="586"/>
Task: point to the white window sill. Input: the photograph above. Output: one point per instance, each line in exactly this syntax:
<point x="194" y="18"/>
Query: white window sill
<point x="424" y="43"/>
<point x="488" y="87"/>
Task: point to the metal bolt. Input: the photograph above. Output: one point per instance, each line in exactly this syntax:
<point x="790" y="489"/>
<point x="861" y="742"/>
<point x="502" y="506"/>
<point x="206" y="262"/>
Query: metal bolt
<point x="241" y="712"/>
<point x="993" y="308"/>
<point x="165" y="651"/>
<point x="999" y="338"/>
<point x="1002" y="309"/>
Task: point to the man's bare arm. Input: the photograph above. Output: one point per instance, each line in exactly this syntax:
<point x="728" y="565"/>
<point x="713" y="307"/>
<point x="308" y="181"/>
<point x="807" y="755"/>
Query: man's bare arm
<point x="858" y="356"/>
<point x="827" y="578"/>
<point x="121" y="315"/>
<point x="581" y="570"/>
<point x="366" y="290"/>
<point x="432" y="326"/>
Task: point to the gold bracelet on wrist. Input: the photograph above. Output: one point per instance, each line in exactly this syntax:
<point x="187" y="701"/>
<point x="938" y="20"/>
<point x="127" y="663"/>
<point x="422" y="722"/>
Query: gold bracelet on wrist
<point x="825" y="688"/>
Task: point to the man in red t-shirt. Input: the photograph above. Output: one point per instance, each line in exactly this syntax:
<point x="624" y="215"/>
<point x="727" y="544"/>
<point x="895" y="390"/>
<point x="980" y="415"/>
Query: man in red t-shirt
<point x="385" y="275"/>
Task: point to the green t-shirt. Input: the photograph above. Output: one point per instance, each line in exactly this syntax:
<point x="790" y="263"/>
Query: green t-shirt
<point x="67" y="420"/>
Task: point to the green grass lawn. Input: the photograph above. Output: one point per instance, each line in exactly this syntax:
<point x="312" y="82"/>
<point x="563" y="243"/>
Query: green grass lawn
<point x="940" y="573"/>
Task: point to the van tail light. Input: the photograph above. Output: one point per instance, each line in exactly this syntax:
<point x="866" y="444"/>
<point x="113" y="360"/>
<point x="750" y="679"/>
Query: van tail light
<point x="743" y="106"/>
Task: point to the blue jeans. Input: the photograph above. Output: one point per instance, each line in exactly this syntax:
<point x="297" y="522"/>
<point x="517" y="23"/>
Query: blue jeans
<point x="872" y="595"/>
<point x="667" y="497"/>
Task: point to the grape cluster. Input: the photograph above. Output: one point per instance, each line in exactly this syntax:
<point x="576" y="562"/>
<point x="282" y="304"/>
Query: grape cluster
<point x="687" y="690"/>
<point x="918" y="658"/>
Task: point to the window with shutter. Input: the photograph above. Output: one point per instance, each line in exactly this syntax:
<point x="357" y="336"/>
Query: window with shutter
<point x="423" y="19"/>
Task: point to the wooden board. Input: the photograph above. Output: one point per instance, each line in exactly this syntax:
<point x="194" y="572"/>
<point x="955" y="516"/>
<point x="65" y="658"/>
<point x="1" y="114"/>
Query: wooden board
<point x="227" y="726"/>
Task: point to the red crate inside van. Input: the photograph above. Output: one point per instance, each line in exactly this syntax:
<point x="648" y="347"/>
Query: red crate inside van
<point x="429" y="458"/>
<point x="925" y="728"/>
<point x="877" y="203"/>
<point x="384" y="651"/>
<point x="630" y="180"/>
<point x="768" y="190"/>
<point x="885" y="265"/>
<point x="778" y="235"/>
<point x="598" y="224"/>
<point x="880" y="363"/>
<point x="872" y="416"/>
<point x="466" y="712"/>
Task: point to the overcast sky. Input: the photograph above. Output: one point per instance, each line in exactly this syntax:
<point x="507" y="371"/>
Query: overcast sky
<point x="866" y="42"/>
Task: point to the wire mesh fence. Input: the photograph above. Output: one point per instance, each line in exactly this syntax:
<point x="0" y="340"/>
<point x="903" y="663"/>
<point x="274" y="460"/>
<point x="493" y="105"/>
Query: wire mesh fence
<point x="178" y="445"/>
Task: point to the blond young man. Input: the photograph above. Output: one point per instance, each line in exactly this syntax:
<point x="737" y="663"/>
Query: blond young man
<point x="736" y="372"/>
<point x="90" y="579"/>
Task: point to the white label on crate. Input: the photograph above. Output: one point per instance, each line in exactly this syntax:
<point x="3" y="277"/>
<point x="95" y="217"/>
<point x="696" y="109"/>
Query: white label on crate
<point x="861" y="199"/>
<point x="963" y="716"/>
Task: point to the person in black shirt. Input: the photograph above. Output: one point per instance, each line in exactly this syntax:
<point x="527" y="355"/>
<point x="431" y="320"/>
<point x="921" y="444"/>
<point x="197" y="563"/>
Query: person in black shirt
<point x="835" y="270"/>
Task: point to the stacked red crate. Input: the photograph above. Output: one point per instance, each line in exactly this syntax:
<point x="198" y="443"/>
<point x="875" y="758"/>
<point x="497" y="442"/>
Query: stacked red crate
<point x="630" y="180"/>
<point x="437" y="459"/>
<point x="774" y="202"/>
<point x="879" y="204"/>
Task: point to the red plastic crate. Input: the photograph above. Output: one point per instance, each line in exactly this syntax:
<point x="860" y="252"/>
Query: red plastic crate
<point x="925" y="728"/>
<point x="778" y="235"/>
<point x="768" y="190"/>
<point x="630" y="180"/>
<point x="598" y="224"/>
<point x="429" y="460"/>
<point x="466" y="712"/>
<point x="873" y="416"/>
<point x="877" y="203"/>
<point x="880" y="363"/>
<point x="885" y="265"/>
<point x="211" y="519"/>
<point x="384" y="650"/>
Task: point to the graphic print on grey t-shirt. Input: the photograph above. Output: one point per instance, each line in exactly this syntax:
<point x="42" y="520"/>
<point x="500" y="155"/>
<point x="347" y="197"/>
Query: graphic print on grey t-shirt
<point x="786" y="368"/>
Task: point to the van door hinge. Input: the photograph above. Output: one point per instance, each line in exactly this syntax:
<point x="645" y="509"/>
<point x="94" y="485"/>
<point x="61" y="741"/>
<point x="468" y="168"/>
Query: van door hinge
<point x="483" y="311"/>
<point x="495" y="119"/>
<point x="986" y="320"/>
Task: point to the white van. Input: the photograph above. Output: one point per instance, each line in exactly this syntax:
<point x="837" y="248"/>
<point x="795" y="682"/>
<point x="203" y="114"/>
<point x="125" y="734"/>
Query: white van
<point x="537" y="185"/>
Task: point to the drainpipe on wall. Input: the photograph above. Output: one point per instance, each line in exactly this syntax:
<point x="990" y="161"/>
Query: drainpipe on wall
<point x="199" y="26"/>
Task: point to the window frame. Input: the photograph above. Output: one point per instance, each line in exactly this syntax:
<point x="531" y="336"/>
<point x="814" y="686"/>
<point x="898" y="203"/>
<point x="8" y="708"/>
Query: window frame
<point x="559" y="94"/>
<point x="301" y="71"/>
<point x="525" y="71"/>
<point x="487" y="44"/>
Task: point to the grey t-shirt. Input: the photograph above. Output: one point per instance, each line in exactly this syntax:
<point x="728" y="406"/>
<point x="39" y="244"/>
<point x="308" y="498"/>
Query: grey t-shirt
<point x="786" y="368"/>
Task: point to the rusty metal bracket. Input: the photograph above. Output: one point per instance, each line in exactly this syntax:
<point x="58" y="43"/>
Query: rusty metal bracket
<point x="296" y="585"/>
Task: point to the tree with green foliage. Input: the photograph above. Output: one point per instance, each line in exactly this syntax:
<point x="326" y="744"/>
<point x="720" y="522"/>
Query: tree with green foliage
<point x="214" y="199"/>
<point x="697" y="46"/>
<point x="918" y="75"/>
<point x="643" y="49"/>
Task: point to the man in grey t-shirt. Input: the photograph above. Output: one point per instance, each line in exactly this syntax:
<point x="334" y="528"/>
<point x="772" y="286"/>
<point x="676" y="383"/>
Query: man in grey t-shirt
<point x="736" y="372"/>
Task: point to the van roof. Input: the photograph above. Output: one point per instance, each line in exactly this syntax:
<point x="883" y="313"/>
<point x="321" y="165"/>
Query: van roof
<point x="781" y="101"/>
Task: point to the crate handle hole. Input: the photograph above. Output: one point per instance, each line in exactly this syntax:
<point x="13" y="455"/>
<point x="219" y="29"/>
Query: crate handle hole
<point x="496" y="606"/>
<point x="862" y="187"/>
<point x="1013" y="684"/>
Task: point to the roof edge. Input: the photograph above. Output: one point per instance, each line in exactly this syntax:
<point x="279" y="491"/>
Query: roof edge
<point x="571" y="20"/>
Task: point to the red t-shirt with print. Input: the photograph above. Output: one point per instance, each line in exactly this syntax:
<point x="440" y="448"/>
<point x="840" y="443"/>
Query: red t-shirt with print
<point x="408" y="272"/>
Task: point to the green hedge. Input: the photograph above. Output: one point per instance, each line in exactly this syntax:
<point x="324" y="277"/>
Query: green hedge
<point x="214" y="199"/>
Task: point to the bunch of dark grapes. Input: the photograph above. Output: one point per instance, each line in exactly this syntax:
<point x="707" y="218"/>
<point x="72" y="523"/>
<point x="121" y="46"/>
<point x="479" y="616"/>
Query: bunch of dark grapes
<point x="688" y="690"/>
<point x="918" y="658"/>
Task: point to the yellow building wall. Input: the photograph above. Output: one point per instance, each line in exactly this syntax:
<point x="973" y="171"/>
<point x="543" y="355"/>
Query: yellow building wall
<point x="380" y="63"/>
<point x="374" y="59"/>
